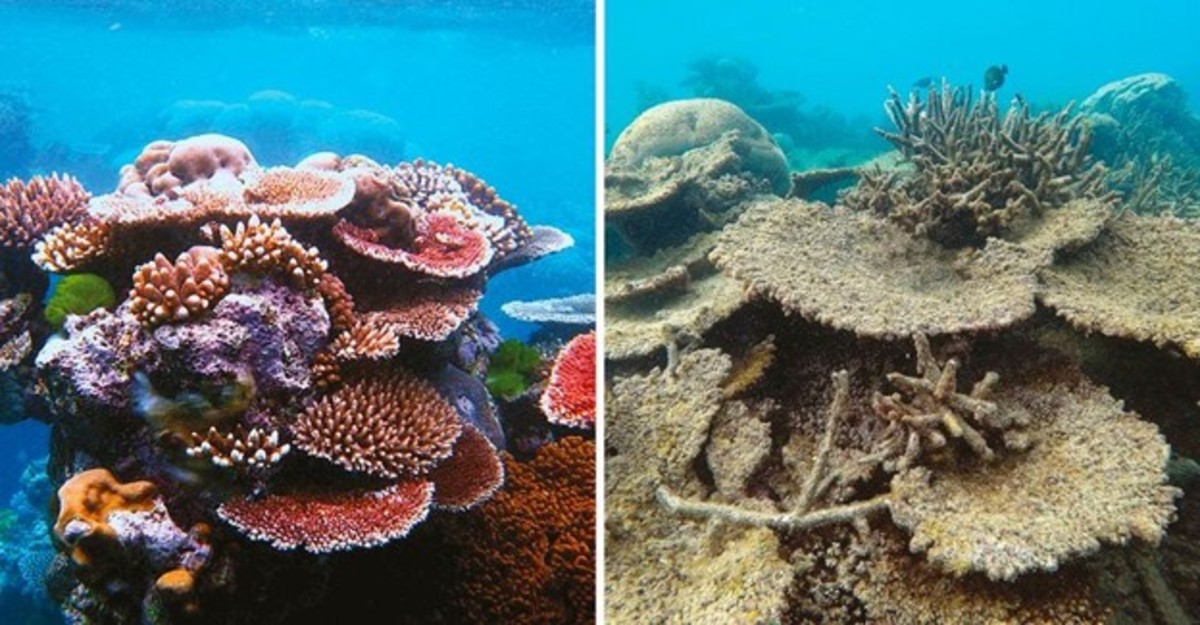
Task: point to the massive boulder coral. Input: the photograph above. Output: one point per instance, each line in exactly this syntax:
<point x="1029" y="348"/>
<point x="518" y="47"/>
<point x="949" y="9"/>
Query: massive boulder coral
<point x="684" y="165"/>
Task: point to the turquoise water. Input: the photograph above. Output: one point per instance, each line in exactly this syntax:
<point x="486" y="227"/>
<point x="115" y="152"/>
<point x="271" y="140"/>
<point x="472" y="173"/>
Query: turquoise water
<point x="506" y="92"/>
<point x="842" y="55"/>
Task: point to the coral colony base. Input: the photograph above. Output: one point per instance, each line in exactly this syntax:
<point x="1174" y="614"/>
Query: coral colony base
<point x="296" y="366"/>
<point x="947" y="398"/>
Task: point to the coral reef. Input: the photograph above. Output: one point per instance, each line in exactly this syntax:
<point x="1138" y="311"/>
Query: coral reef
<point x="686" y="164"/>
<point x="528" y="555"/>
<point x="886" y="422"/>
<point x="1125" y="285"/>
<point x="574" y="310"/>
<point x="1144" y="130"/>
<point x="294" y="368"/>
<point x="570" y="395"/>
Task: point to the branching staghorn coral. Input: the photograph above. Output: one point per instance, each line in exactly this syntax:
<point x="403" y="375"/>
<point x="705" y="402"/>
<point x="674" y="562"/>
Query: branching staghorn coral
<point x="978" y="172"/>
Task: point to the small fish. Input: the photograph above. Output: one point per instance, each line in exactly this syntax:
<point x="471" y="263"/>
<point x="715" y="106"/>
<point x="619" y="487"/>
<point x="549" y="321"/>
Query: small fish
<point x="993" y="78"/>
<point x="923" y="82"/>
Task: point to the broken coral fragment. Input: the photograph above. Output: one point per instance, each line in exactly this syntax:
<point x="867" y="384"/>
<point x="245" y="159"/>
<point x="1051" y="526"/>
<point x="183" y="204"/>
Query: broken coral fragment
<point x="655" y="301"/>
<point x="657" y="425"/>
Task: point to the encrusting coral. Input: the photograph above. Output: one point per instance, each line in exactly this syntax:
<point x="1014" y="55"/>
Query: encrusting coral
<point x="294" y="368"/>
<point x="528" y="555"/>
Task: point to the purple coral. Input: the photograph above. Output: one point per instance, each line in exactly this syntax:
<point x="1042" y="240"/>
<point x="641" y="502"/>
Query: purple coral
<point x="265" y="330"/>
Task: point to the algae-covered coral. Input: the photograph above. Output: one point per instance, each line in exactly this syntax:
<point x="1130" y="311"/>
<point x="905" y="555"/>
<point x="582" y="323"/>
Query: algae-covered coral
<point x="887" y="420"/>
<point x="291" y="379"/>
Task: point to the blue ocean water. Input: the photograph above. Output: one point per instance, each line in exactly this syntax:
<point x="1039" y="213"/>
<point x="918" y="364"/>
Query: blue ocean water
<point x="503" y="90"/>
<point x="842" y="55"/>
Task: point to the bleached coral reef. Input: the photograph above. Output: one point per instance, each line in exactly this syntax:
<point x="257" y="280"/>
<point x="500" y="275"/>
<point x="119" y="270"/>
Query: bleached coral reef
<point x="952" y="397"/>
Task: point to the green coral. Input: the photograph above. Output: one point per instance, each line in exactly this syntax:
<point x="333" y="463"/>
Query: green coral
<point x="511" y="369"/>
<point x="78" y="294"/>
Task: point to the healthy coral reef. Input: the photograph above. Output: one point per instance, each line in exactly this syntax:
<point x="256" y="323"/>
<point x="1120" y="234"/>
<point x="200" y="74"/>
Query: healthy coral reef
<point x="293" y="370"/>
<point x="892" y="423"/>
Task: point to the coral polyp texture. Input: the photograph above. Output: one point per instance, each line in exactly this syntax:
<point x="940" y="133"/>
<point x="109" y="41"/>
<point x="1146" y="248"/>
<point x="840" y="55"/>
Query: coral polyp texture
<point x="570" y="397"/>
<point x="962" y="391"/>
<point x="336" y="521"/>
<point x="262" y="364"/>
<point x="390" y="426"/>
<point x="28" y="209"/>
